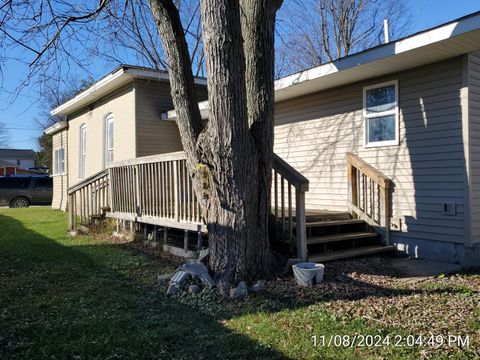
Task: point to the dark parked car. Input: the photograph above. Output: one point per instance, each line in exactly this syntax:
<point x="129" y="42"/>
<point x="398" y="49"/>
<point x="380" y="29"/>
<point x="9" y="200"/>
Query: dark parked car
<point x="23" y="191"/>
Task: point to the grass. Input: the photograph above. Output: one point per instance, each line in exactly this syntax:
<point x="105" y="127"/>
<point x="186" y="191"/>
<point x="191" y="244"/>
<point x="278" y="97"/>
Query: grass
<point x="91" y="298"/>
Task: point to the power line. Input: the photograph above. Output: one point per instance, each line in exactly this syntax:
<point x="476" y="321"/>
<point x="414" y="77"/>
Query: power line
<point x="17" y="128"/>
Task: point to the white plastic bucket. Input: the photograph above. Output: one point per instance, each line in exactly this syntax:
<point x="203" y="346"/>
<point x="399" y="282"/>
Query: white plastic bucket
<point x="305" y="273"/>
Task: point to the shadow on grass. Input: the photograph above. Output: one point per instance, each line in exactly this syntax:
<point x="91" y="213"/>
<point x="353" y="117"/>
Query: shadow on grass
<point x="97" y="301"/>
<point x="81" y="298"/>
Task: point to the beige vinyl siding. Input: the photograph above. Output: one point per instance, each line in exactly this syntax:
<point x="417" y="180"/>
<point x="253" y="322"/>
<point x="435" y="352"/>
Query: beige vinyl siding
<point x="156" y="136"/>
<point x="474" y="142"/>
<point x="121" y="104"/>
<point x="60" y="182"/>
<point x="314" y="132"/>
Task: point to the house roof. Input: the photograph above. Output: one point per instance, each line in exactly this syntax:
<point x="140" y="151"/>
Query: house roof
<point x="17" y="153"/>
<point x="56" y="127"/>
<point x="4" y="163"/>
<point x="445" y="41"/>
<point x="114" y="80"/>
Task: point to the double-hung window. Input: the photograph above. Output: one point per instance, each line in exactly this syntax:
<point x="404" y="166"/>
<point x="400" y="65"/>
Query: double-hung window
<point x="83" y="151"/>
<point x="380" y="113"/>
<point x="59" y="162"/>
<point x="109" y="138"/>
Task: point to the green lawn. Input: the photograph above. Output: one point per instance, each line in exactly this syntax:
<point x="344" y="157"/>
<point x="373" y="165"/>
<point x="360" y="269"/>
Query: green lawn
<point x="87" y="298"/>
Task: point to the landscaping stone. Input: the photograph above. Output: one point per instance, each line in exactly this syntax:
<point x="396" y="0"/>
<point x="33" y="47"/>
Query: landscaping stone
<point x="83" y="229"/>
<point x="164" y="277"/>
<point x="224" y="288"/>
<point x="194" y="268"/>
<point x="173" y="289"/>
<point x="180" y="277"/>
<point x="240" y="292"/>
<point x="202" y="255"/>
<point x="259" y="286"/>
<point x="207" y="280"/>
<point x="194" y="289"/>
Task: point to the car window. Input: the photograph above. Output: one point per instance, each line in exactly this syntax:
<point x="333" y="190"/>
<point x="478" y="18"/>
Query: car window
<point x="43" y="183"/>
<point x="14" y="183"/>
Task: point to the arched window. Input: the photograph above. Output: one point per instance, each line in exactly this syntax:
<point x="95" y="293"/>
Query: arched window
<point x="109" y="138"/>
<point x="83" y="151"/>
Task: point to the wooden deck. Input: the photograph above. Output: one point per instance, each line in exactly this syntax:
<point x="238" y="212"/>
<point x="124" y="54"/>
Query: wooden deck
<point x="157" y="190"/>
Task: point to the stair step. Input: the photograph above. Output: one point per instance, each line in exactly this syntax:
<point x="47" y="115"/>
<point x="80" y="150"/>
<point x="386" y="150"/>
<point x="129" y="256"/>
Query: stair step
<point x="343" y="254"/>
<point x="326" y="215"/>
<point x="339" y="237"/>
<point x="334" y="222"/>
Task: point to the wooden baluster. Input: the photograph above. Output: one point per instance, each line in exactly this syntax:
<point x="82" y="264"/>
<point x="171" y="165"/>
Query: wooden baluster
<point x="189" y="195"/>
<point x="183" y="192"/>
<point x="275" y="192"/>
<point x="372" y="198"/>
<point x="171" y="210"/>
<point x="155" y="188"/>
<point x="176" y="191"/>
<point x="163" y="176"/>
<point x="365" y="198"/>
<point x="282" y="202"/>
<point x="290" y="219"/>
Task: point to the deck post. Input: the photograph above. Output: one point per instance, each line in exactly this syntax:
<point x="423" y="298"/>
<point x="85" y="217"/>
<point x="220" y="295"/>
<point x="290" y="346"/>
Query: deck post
<point x="384" y="193"/>
<point x="70" y="212"/>
<point x="185" y="240"/>
<point x="155" y="233"/>
<point x="199" y="240"/>
<point x="301" y="225"/>
<point x="165" y="235"/>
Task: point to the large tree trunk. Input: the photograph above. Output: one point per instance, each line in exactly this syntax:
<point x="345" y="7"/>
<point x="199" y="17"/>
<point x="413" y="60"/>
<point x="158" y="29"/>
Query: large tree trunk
<point x="236" y="145"/>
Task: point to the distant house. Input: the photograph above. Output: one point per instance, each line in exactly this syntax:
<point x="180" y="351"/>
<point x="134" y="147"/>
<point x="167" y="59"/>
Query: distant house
<point x="397" y="126"/>
<point x="14" y="161"/>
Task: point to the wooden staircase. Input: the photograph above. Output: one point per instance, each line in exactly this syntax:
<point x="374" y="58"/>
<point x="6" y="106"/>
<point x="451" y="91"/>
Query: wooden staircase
<point x="337" y="235"/>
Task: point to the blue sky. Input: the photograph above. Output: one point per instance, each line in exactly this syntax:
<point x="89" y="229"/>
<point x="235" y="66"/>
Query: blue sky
<point x="21" y="115"/>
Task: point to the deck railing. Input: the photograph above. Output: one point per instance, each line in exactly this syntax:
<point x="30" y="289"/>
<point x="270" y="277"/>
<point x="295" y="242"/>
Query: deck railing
<point x="155" y="190"/>
<point x="288" y="197"/>
<point x="369" y="195"/>
<point x="88" y="200"/>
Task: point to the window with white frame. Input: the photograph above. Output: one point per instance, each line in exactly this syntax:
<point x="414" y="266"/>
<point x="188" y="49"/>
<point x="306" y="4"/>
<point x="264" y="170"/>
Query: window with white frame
<point x="83" y="151"/>
<point x="380" y="113"/>
<point x="109" y="138"/>
<point x="59" y="162"/>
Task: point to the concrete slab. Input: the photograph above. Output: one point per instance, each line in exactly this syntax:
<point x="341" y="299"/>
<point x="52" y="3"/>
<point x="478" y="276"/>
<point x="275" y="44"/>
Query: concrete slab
<point x="409" y="269"/>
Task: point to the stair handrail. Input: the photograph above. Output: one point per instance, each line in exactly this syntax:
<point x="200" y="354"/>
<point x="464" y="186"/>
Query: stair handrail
<point x="88" y="198"/>
<point x="86" y="181"/>
<point x="301" y="184"/>
<point x="368" y="186"/>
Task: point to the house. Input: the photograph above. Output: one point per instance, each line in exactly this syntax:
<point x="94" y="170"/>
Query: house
<point x="16" y="161"/>
<point x="390" y="135"/>
<point x="117" y="118"/>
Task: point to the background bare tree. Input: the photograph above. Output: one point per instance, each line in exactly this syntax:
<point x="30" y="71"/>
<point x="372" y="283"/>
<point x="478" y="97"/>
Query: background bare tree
<point x="110" y="30"/>
<point x="318" y="31"/>
<point x="50" y="99"/>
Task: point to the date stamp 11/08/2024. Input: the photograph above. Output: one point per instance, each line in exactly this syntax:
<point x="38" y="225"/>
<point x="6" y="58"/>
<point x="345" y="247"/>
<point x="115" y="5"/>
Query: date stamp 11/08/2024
<point x="359" y="340"/>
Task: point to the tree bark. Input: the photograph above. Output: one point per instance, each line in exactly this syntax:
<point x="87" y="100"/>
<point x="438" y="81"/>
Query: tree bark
<point x="237" y="143"/>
